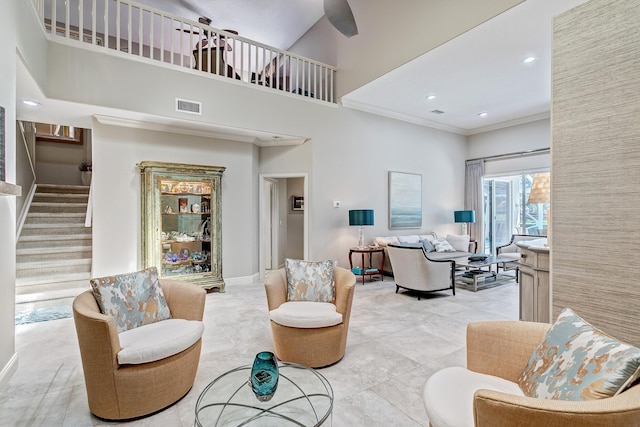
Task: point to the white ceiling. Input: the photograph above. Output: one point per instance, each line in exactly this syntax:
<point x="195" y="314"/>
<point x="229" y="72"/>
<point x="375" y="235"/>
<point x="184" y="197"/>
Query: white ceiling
<point x="479" y="71"/>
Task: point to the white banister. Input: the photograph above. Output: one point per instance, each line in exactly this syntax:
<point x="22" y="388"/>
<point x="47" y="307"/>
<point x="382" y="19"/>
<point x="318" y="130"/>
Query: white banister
<point x="228" y="55"/>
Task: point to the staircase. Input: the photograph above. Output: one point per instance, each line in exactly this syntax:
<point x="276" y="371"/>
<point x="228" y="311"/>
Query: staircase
<point x="53" y="254"/>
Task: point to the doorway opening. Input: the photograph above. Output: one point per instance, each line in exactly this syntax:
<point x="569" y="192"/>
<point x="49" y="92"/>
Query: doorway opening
<point x="507" y="210"/>
<point x="284" y="219"/>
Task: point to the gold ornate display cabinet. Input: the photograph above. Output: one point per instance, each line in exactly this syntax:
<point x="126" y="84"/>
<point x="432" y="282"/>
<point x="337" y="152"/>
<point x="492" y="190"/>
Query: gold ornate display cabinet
<point x="181" y="221"/>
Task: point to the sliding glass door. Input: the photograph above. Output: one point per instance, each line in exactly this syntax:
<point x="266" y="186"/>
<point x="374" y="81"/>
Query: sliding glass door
<point x="507" y="210"/>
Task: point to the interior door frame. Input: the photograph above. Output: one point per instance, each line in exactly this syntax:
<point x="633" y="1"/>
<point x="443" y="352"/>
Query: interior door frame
<point x="307" y="206"/>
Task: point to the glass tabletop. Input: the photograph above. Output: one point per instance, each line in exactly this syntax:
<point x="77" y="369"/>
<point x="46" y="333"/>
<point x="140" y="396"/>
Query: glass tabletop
<point x="464" y="262"/>
<point x="303" y="398"/>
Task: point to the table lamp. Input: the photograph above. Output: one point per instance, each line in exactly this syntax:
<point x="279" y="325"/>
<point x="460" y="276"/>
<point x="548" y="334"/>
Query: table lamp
<point x="541" y="193"/>
<point x="464" y="217"/>
<point x="361" y="217"/>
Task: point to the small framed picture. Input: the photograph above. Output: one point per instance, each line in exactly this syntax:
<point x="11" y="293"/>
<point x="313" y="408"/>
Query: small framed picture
<point x="297" y="203"/>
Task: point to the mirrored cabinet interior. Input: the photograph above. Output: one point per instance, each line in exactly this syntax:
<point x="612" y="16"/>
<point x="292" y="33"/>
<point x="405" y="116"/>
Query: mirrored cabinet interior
<point x="181" y="222"/>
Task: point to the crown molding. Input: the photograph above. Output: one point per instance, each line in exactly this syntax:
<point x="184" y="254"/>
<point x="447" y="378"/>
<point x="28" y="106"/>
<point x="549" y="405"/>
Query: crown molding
<point x="368" y="108"/>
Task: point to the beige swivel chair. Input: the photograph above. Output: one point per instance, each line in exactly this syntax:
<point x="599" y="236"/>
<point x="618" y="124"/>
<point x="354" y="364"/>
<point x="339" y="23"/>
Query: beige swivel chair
<point x="313" y="347"/>
<point x="117" y="391"/>
<point x="502" y="349"/>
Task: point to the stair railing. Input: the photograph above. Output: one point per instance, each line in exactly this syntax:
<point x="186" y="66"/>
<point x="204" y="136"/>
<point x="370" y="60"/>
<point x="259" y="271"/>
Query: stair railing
<point x="144" y="32"/>
<point x="28" y="136"/>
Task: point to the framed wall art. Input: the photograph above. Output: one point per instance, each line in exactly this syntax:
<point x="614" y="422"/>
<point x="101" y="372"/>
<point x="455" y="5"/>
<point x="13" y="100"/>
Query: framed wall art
<point x="297" y="203"/>
<point x="405" y="200"/>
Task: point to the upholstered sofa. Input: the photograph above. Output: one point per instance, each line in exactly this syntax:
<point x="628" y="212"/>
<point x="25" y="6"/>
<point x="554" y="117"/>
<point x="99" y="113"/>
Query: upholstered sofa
<point x="459" y="243"/>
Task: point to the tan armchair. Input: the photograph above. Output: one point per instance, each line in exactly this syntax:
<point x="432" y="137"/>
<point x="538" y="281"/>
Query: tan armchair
<point x="502" y="349"/>
<point x="117" y="391"/>
<point x="314" y="347"/>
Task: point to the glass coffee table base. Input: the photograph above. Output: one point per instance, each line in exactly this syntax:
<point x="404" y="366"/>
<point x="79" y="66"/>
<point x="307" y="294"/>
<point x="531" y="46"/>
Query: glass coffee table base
<point x="303" y="398"/>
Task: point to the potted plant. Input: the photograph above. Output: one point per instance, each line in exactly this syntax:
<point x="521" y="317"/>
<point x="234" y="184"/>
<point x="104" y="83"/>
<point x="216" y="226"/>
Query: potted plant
<point x="85" y="173"/>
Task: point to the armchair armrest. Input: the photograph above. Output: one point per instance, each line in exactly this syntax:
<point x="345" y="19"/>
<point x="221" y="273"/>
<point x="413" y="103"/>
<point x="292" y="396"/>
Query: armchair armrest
<point x="496" y="409"/>
<point x="345" y="284"/>
<point x="502" y="348"/>
<point x="185" y="300"/>
<point x="275" y="284"/>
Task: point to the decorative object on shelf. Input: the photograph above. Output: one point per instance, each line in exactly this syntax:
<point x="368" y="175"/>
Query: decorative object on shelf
<point x="361" y="217"/>
<point x="464" y="217"/>
<point x="405" y="200"/>
<point x="183" y="205"/>
<point x="168" y="210"/>
<point x="195" y="208"/>
<point x="184" y="254"/>
<point x="297" y="203"/>
<point x="264" y="376"/>
<point x="205" y="206"/>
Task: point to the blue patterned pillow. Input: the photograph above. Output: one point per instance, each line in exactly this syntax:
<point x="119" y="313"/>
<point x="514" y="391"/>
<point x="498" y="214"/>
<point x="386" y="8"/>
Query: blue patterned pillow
<point x="443" y="246"/>
<point x="310" y="281"/>
<point x="132" y="299"/>
<point x="576" y="361"/>
<point x="428" y="245"/>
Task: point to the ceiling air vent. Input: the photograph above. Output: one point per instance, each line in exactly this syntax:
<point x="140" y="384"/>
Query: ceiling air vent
<point x="437" y="111"/>
<point x="186" y="106"/>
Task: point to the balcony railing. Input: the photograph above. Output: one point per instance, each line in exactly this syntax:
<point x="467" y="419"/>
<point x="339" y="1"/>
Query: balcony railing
<point x="145" y="32"/>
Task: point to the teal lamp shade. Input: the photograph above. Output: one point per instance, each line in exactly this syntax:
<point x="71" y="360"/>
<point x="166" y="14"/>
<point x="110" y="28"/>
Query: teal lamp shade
<point x="361" y="217"/>
<point x="464" y="216"/>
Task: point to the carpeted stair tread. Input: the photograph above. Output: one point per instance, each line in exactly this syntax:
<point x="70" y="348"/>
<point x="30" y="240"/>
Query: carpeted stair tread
<point x="24" y="283"/>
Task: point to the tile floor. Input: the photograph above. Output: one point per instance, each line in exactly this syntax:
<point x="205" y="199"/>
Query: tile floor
<point x="395" y="343"/>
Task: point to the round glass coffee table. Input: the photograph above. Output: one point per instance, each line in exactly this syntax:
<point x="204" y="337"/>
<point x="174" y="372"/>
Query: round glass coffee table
<point x="303" y="398"/>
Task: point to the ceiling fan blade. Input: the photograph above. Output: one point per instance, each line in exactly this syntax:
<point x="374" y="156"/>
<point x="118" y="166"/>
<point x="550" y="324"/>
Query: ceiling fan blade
<point x="339" y="13"/>
<point x="189" y="6"/>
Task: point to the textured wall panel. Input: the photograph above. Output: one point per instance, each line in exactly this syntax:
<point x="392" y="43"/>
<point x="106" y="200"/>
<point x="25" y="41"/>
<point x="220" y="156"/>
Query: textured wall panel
<point x="595" y="165"/>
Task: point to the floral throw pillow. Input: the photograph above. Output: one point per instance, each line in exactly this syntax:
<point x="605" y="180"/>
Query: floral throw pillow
<point x="576" y="361"/>
<point x="132" y="299"/>
<point x="443" y="246"/>
<point x="310" y="281"/>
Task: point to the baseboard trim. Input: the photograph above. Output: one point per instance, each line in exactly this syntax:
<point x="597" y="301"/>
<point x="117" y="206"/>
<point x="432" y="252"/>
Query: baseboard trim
<point x="243" y="280"/>
<point x="8" y="370"/>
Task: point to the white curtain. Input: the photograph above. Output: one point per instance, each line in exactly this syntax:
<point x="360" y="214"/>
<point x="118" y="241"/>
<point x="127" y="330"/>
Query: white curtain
<point x="473" y="198"/>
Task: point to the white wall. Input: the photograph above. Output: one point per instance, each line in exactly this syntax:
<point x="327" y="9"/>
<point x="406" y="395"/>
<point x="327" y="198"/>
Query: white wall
<point x="8" y="203"/>
<point x="519" y="138"/>
<point x="116" y="180"/>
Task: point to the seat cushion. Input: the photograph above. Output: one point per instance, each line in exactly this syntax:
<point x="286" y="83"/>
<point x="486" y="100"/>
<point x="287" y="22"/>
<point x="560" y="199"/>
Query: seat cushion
<point x="515" y="256"/>
<point x="158" y="340"/>
<point x="448" y="255"/>
<point x="448" y="395"/>
<point x="306" y="314"/>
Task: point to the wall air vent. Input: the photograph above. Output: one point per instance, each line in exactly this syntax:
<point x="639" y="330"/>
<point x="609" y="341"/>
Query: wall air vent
<point x="186" y="106"/>
<point x="437" y="111"/>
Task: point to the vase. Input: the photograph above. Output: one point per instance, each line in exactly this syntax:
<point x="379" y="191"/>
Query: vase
<point x="264" y="375"/>
<point x="85" y="177"/>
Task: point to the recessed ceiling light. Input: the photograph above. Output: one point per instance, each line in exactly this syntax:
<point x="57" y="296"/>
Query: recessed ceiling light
<point x="529" y="59"/>
<point x="483" y="114"/>
<point x="431" y="97"/>
<point x="31" y="103"/>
